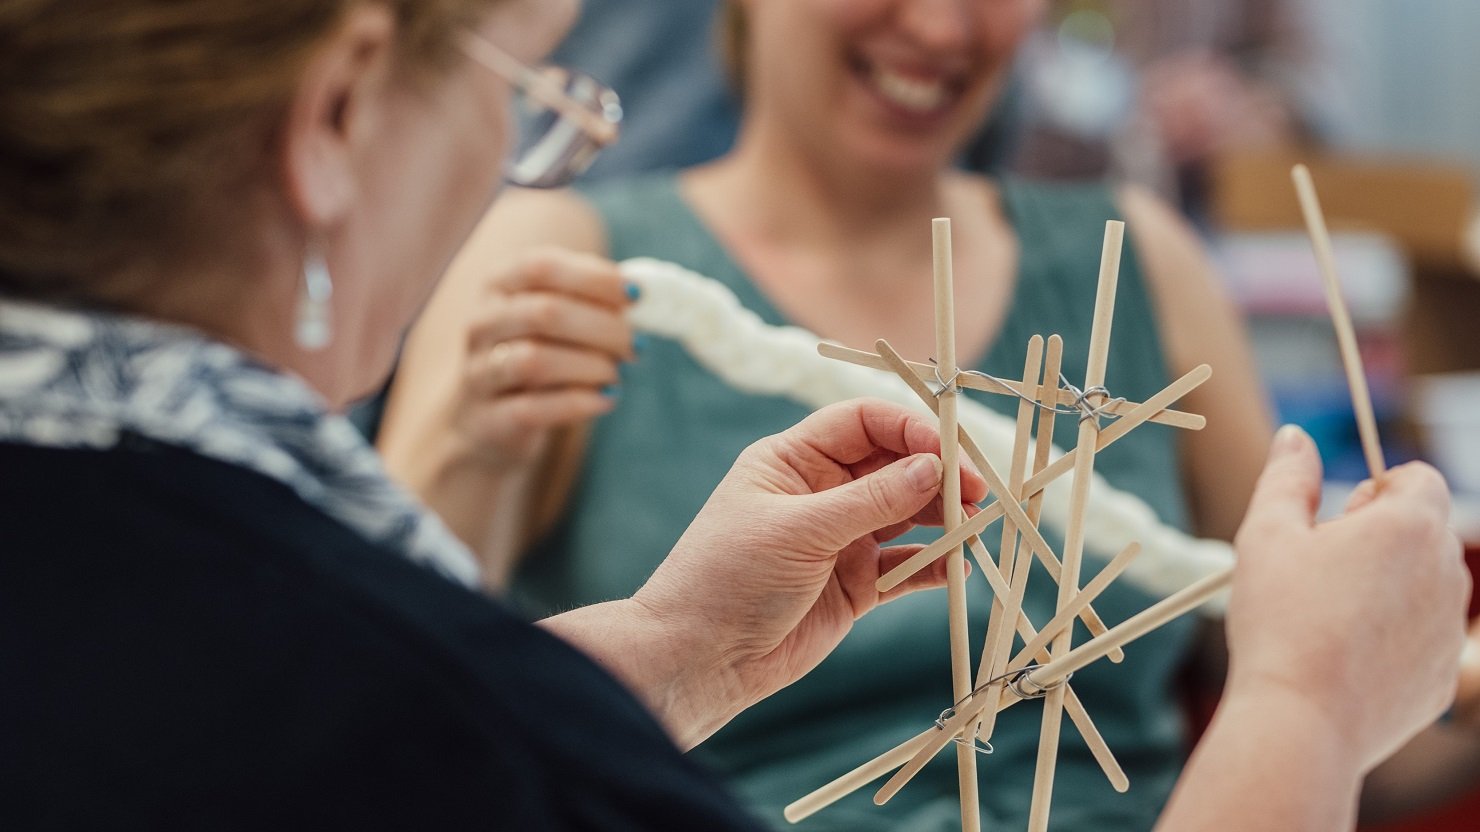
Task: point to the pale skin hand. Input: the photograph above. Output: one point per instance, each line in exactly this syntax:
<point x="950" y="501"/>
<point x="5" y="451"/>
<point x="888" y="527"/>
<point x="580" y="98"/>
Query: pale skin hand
<point x="1344" y="639"/>
<point x="776" y="567"/>
<point x="517" y="344"/>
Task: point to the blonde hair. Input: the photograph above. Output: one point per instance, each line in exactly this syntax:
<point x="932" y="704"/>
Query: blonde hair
<point x="128" y="127"/>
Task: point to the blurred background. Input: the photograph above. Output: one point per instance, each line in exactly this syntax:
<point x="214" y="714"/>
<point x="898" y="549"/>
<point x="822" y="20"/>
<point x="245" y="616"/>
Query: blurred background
<point x="1210" y="102"/>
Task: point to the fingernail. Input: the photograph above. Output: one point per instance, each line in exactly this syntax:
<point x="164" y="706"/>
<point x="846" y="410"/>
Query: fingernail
<point x="633" y="291"/>
<point x="1288" y="439"/>
<point x="612" y="391"/>
<point x="924" y="471"/>
<point x="639" y="343"/>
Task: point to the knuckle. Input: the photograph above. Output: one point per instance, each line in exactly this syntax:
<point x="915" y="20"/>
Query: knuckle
<point x="521" y="415"/>
<point x="538" y="264"/>
<point x="521" y="361"/>
<point x="541" y="312"/>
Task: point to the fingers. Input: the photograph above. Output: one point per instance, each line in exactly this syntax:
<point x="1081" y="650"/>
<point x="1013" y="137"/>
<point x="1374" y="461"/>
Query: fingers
<point x="538" y="365"/>
<point x="1361" y="496"/>
<point x="930" y="577"/>
<point x="1289" y="490"/>
<point x="856" y="431"/>
<point x="522" y="414"/>
<point x="1418" y="486"/>
<point x="556" y="318"/>
<point x="579" y="275"/>
<point x="880" y="500"/>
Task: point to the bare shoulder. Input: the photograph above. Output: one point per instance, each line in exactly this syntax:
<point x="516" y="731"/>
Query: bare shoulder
<point x="1173" y="257"/>
<point x="524" y="218"/>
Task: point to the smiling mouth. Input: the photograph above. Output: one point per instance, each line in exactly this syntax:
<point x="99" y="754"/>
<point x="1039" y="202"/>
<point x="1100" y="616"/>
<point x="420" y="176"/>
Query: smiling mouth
<point x="910" y="93"/>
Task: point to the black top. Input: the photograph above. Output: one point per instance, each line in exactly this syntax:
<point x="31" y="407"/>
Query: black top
<point x="188" y="645"/>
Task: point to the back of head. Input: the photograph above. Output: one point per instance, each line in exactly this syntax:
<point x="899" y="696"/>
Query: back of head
<point x="136" y="135"/>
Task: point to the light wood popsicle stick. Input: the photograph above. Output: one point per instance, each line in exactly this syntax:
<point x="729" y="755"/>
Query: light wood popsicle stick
<point x="987" y="701"/>
<point x="1064" y="398"/>
<point x="998" y="644"/>
<point x="1053" y="672"/>
<point x="937" y="739"/>
<point x="1011" y="507"/>
<point x="1154" y="616"/>
<point x="1065" y="617"/>
<point x="1109" y="435"/>
<point x="1058" y="670"/>
<point x="1341" y="319"/>
<point x="1084" y="466"/>
<point x="945" y="349"/>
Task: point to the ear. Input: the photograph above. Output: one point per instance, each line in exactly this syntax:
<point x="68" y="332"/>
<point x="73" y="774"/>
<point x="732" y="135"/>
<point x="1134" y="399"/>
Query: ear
<point x="332" y="109"/>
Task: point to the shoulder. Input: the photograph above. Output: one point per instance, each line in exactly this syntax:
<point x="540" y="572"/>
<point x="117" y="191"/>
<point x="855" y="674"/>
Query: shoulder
<point x="203" y="627"/>
<point x="522" y="218"/>
<point x="1172" y="254"/>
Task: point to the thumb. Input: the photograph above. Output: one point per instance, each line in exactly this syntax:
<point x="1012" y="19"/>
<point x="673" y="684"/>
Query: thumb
<point x="1289" y="490"/>
<point x="893" y="493"/>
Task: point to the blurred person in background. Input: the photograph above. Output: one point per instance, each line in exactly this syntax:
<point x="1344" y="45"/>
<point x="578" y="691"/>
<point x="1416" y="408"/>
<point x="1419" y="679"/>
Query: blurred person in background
<point x="1150" y="91"/>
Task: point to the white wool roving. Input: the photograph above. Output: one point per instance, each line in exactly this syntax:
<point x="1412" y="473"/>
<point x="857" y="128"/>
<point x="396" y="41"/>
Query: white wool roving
<point x="732" y="342"/>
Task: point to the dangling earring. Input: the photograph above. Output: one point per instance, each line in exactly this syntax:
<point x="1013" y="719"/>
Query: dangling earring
<point x="313" y="329"/>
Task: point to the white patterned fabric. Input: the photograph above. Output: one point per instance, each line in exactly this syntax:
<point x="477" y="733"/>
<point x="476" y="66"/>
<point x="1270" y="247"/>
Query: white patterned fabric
<point x="72" y="379"/>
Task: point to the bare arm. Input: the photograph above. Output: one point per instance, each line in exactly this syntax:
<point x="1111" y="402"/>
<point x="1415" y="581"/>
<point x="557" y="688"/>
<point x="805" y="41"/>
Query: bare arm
<point x="473" y="431"/>
<point x="1268" y="761"/>
<point x="1199" y="325"/>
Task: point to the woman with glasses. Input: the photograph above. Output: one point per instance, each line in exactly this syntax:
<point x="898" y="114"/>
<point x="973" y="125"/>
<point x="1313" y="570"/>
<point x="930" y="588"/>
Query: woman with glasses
<point x="524" y="393"/>
<point x="216" y="612"/>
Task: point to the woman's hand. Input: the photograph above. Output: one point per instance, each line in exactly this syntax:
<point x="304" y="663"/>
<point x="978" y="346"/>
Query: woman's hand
<point x="774" y="570"/>
<point x="1363" y="616"/>
<point x="783" y="557"/>
<point x="543" y="352"/>
<point x="1344" y="641"/>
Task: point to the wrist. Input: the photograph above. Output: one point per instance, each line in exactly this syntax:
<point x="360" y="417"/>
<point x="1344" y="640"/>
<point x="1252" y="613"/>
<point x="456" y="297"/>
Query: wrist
<point x="1287" y="717"/>
<point x="703" y="689"/>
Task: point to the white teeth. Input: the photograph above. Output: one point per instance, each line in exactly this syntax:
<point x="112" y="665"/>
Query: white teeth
<point x="909" y="93"/>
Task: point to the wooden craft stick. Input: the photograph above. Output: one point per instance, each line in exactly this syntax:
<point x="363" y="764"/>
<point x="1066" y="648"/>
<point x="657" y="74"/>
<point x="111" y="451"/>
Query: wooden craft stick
<point x="1077" y="714"/>
<point x="1059" y="670"/>
<point x="945" y="350"/>
<point x="1000" y="629"/>
<point x="902" y="753"/>
<point x="926" y="372"/>
<point x="1065" y="616"/>
<point x="1154" y="616"/>
<point x="809" y="805"/>
<point x="1036" y="649"/>
<point x="1341" y="319"/>
<point x="1084" y="466"/>
<point x="1042" y="449"/>
<point x="981" y="701"/>
<point x="978" y="523"/>
<point x="1011" y="507"/>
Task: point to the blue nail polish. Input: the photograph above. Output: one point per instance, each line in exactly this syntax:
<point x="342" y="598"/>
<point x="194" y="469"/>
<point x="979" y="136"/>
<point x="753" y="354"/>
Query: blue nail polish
<point x="633" y="291"/>
<point x="612" y="391"/>
<point x="639" y="343"/>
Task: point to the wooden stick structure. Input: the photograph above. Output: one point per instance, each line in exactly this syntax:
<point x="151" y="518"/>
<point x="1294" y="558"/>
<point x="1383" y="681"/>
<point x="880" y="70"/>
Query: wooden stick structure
<point x="1039" y="481"/>
<point x="995" y="652"/>
<point x="1041" y="669"/>
<point x="1007" y="387"/>
<point x="1084" y="466"/>
<point x="1341" y="319"/>
<point x="1010" y="507"/>
<point x="945" y="348"/>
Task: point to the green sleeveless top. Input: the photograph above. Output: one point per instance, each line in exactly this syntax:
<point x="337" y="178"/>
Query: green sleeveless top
<point x="677" y="429"/>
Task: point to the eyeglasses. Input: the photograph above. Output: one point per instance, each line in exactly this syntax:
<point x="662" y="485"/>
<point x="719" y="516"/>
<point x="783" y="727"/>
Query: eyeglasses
<point x="567" y="116"/>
